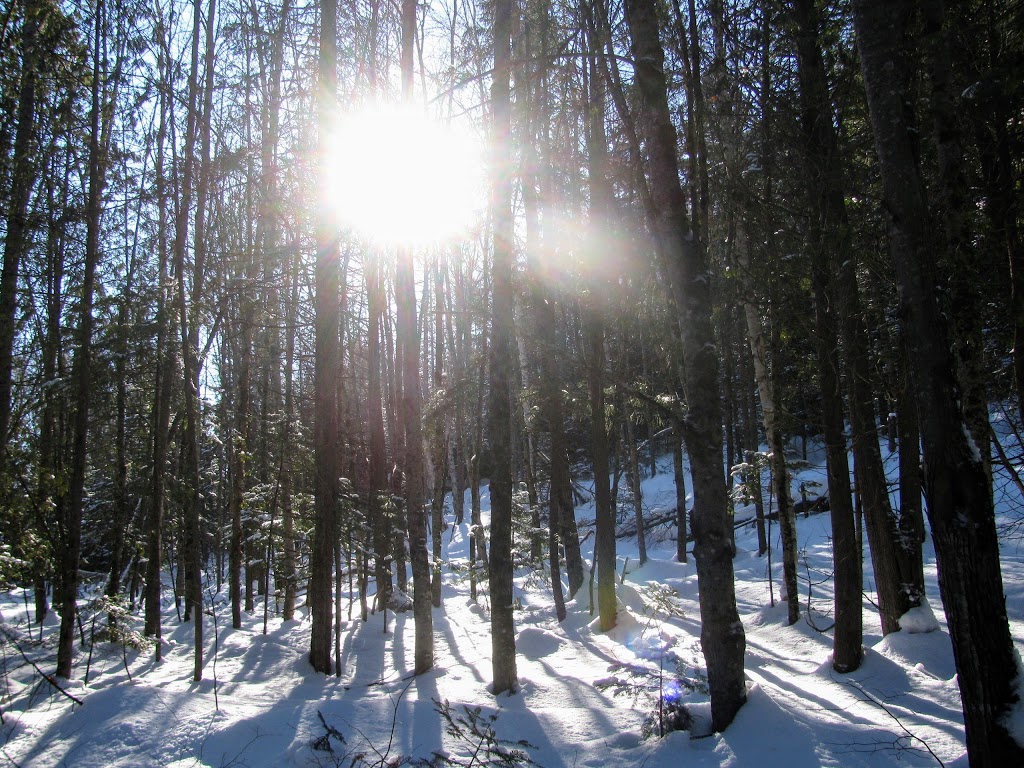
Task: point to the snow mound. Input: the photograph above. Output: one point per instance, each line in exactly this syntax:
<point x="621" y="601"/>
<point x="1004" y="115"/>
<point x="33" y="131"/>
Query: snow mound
<point x="919" y="620"/>
<point x="535" y="643"/>
<point x="930" y="653"/>
<point x="400" y="602"/>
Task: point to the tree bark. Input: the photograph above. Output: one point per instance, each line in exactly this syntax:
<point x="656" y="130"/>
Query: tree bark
<point x="500" y="564"/>
<point x="960" y="506"/>
<point x="680" y="481"/>
<point x="836" y="286"/>
<point x="685" y="261"/>
<point x="379" y="518"/>
<point x="16" y="241"/>
<point x="411" y="404"/>
<point x="81" y="373"/>
<point x="326" y="372"/>
<point x="602" y="201"/>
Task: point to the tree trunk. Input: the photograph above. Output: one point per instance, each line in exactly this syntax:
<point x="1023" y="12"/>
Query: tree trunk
<point x="287" y="513"/>
<point x="53" y="405"/>
<point x="776" y="447"/>
<point x="380" y="520"/>
<point x="411" y="406"/>
<point x="602" y="203"/>
<point x="439" y="439"/>
<point x="912" y="532"/>
<point x="960" y="506"/>
<point x="836" y="286"/>
<point x="503" y="639"/>
<point x="634" y="485"/>
<point x="827" y="233"/>
<point x="81" y="373"/>
<point x="16" y="241"/>
<point x="684" y="259"/>
<point x="680" y="479"/>
<point x="327" y="369"/>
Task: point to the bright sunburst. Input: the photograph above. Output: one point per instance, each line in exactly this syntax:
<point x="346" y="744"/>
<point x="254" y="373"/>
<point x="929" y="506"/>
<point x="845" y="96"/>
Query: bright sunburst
<point x="400" y="178"/>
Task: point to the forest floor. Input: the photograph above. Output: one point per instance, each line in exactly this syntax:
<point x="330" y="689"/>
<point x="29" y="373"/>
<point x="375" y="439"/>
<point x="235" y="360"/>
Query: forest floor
<point x="585" y="698"/>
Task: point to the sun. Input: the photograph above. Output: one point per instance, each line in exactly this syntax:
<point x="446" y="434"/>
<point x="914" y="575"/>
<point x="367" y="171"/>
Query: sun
<point x="398" y="177"/>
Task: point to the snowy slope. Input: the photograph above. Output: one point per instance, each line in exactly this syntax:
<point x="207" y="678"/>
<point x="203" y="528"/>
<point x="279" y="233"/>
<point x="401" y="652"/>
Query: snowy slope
<point x="262" y="705"/>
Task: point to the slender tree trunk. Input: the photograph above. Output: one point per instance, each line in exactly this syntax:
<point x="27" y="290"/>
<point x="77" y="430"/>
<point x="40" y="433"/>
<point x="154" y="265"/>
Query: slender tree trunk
<point x="439" y="439"/>
<point x="16" y="240"/>
<point x="49" y="432"/>
<point x="680" y="482"/>
<point x="827" y="232"/>
<point x="379" y="518"/>
<point x="634" y="486"/>
<point x="958" y="491"/>
<point x="836" y="286"/>
<point x="776" y="446"/>
<point x="240" y="448"/>
<point x="503" y="640"/>
<point x="602" y="203"/>
<point x="847" y="650"/>
<point x="326" y="371"/>
<point x="478" y="544"/>
<point x="287" y="512"/>
<point x="411" y="406"/>
<point x="121" y="518"/>
<point x="81" y="374"/>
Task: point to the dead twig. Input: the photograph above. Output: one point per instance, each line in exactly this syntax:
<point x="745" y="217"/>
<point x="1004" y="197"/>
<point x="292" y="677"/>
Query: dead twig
<point x="48" y="678"/>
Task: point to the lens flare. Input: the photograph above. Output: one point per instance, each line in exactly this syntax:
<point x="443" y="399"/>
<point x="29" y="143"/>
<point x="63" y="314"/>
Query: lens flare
<point x="398" y="177"/>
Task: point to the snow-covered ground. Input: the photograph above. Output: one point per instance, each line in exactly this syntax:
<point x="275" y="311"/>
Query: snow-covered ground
<point x="584" y="695"/>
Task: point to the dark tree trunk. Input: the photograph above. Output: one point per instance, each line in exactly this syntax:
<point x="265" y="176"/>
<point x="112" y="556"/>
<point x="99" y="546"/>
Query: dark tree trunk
<point x="52" y="406"/>
<point x="633" y="470"/>
<point x="289" y="550"/>
<point x="685" y="261"/>
<point x="602" y="203"/>
<point x="952" y="206"/>
<point x="16" y="240"/>
<point x="379" y="518"/>
<point x="836" y="286"/>
<point x="81" y="373"/>
<point x="680" y="478"/>
<point x="439" y="440"/>
<point x="405" y="290"/>
<point x="326" y="373"/>
<point x="912" y="530"/>
<point x="958" y="491"/>
<point x="500" y="564"/>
